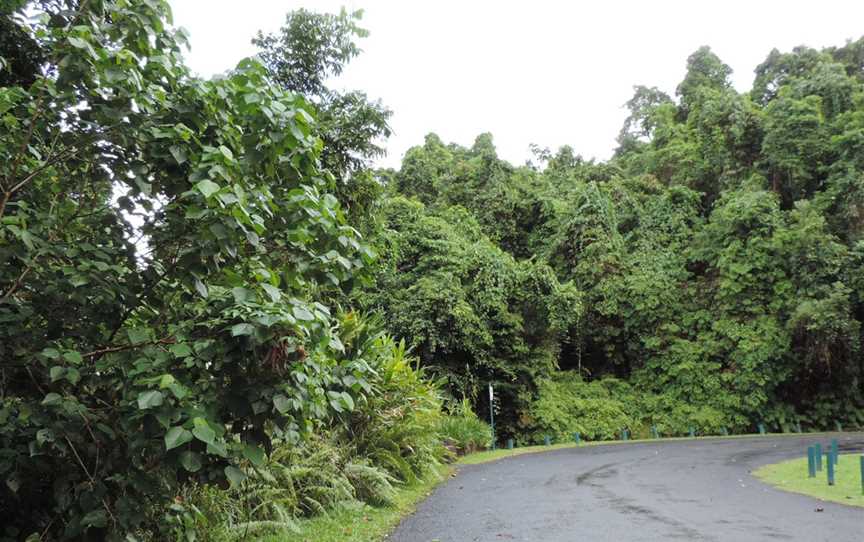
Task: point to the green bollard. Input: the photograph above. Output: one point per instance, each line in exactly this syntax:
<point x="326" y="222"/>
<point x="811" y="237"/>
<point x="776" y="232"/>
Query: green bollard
<point x="654" y="433"/>
<point x="811" y="462"/>
<point x="818" y="448"/>
<point x="835" y="450"/>
<point x="577" y="438"/>
<point x="692" y="432"/>
<point x="839" y="426"/>
<point x="830" y="464"/>
<point x="724" y="432"/>
<point x="625" y="435"/>
<point x="761" y="428"/>
<point x="862" y="474"/>
<point x="546" y="440"/>
<point x="798" y="427"/>
<point x="509" y="443"/>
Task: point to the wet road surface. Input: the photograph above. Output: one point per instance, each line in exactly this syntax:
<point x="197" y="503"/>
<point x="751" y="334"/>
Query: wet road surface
<point x="689" y="490"/>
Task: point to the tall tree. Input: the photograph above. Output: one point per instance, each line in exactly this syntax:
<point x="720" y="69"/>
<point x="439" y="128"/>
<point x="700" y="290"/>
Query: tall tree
<point x="302" y="56"/>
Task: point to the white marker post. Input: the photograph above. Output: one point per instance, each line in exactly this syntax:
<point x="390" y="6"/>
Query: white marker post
<point x="492" y="413"/>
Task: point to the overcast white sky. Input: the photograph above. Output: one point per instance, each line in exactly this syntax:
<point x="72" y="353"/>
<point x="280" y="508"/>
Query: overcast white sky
<point x="545" y="72"/>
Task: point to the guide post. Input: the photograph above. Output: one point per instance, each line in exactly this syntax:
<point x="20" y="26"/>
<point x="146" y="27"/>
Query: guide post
<point x="492" y="413"/>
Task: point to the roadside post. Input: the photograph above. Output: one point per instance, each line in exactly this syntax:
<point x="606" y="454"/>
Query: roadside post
<point x="692" y="432"/>
<point x="509" y="443"/>
<point x="818" y="448"/>
<point x="577" y="438"/>
<point x="724" y="432"/>
<point x="862" y="474"/>
<point x="546" y="440"/>
<point x="839" y="426"/>
<point x="835" y="450"/>
<point x="761" y="428"/>
<point x="654" y="432"/>
<point x="811" y="462"/>
<point x="830" y="465"/>
<point x="798" y="427"/>
<point x="492" y="414"/>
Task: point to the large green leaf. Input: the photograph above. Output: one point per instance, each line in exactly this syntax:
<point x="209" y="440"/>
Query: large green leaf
<point x="282" y="404"/>
<point x="73" y="357"/>
<point x="302" y="313"/>
<point x="202" y="431"/>
<point x="181" y="350"/>
<point x="217" y="448"/>
<point x="274" y="292"/>
<point x="254" y="453"/>
<point x="242" y="329"/>
<point x="150" y="399"/>
<point x="51" y="353"/>
<point x="56" y="373"/>
<point x="191" y="461"/>
<point x="234" y="475"/>
<point x="52" y="399"/>
<point x="207" y="187"/>
<point x="176" y="436"/>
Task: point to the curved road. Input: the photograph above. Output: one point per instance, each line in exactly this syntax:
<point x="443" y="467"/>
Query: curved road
<point x="689" y="490"/>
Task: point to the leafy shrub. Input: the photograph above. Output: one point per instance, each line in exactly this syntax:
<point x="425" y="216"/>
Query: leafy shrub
<point x="673" y="417"/>
<point x="462" y="429"/>
<point x="396" y="425"/>
<point x="824" y="413"/>
<point x="566" y="404"/>
<point x="600" y="409"/>
<point x="314" y="478"/>
<point x="390" y="437"/>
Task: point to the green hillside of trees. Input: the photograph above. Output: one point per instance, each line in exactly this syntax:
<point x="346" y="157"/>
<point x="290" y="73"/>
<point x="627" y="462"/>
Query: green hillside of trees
<point x="217" y="317"/>
<point x="712" y="267"/>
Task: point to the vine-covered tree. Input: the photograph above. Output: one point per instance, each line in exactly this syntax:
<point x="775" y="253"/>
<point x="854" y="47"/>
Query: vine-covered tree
<point x="716" y="253"/>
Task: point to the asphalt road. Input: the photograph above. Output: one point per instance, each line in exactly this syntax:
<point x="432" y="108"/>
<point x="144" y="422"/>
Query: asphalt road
<point x="690" y="490"/>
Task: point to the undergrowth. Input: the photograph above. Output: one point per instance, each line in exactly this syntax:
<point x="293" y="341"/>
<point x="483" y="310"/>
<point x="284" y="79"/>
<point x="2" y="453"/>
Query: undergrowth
<point x="463" y="431"/>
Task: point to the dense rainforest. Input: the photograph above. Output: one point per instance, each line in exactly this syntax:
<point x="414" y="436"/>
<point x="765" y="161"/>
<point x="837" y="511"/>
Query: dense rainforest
<point x="708" y="274"/>
<point x="217" y="317"/>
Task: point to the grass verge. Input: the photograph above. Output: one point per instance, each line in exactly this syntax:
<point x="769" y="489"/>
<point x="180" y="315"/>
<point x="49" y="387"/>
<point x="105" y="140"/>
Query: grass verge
<point x="792" y="476"/>
<point x="363" y="523"/>
<point x="494" y="455"/>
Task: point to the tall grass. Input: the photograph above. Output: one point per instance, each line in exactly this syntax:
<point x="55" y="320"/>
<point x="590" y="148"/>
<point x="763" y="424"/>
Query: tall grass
<point x="463" y="430"/>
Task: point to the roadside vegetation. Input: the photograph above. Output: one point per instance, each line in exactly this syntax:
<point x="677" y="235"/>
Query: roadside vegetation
<point x="218" y="321"/>
<point x="362" y="523"/>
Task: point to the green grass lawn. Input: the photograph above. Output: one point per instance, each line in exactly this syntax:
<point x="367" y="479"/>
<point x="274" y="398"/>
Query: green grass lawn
<point x="792" y="476"/>
<point x="363" y="523"/>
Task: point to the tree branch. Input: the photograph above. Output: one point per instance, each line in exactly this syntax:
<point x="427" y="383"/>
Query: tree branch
<point x="17" y="283"/>
<point x="52" y="160"/>
<point x="123" y="347"/>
